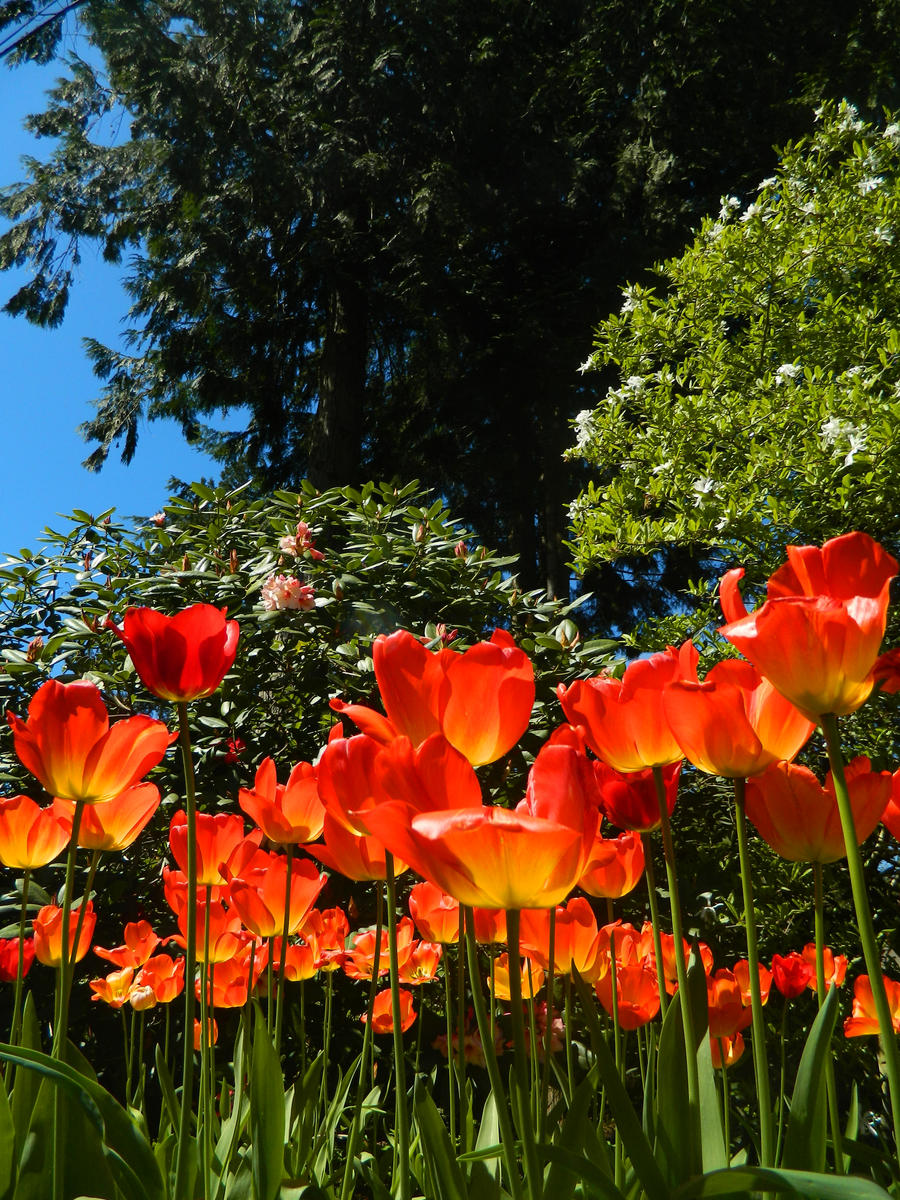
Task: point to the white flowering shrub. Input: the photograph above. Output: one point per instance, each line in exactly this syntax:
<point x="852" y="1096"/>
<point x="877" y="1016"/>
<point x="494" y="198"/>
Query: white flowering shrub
<point x="756" y="396"/>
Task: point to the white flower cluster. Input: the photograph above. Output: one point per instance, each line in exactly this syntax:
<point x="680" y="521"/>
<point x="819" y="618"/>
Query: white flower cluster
<point x="584" y="428"/>
<point x="838" y="432"/>
<point x="703" y="488"/>
<point x="788" y="371"/>
<point x="730" y="204"/>
<point x="285" y="591"/>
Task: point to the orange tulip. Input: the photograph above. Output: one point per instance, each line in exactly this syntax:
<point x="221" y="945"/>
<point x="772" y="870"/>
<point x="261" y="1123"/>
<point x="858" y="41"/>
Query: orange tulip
<point x="741" y="972"/>
<point x="435" y="913"/>
<point x="383" y="1012"/>
<point x="31" y="836"/>
<point x="835" y="966"/>
<point x="623" y="720"/>
<point x="228" y="986"/>
<point x="225" y="931"/>
<point x="531" y="978"/>
<point x="480" y="700"/>
<point x="300" y="961"/>
<point x="359" y="962"/>
<point x="800" y="819"/>
<point x="326" y="932"/>
<point x="140" y="943"/>
<point x="260" y="895"/>
<point x="219" y="837"/>
<point x="288" y="814"/>
<point x="488" y="857"/>
<point x="576" y="944"/>
<point x="421" y="965"/>
<point x="637" y="994"/>
<point x="159" y="981"/>
<point x="727" y="1012"/>
<point x="891" y="814"/>
<point x="183" y="657"/>
<point x="345" y="778"/>
<point x="733" y="1048"/>
<point x="670" y="970"/>
<point x="818" y="635"/>
<point x="114" y="990"/>
<point x="734" y="724"/>
<point x="48" y="934"/>
<point x="357" y="856"/>
<point x="68" y="744"/>
<point x="115" y="824"/>
<point x="864" y="1019"/>
<point x="614" y="866"/>
<point x="212" y="1033"/>
<point x="490" y="926"/>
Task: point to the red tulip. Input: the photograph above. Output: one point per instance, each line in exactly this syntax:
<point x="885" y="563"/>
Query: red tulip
<point x="31" y="836"/>
<point x="421" y="965"/>
<point x="835" y="966"/>
<point x="183" y="657"/>
<point x="800" y="819"/>
<point x="791" y="974"/>
<point x="734" y="724"/>
<point x="356" y="856"/>
<point x="490" y="926"/>
<point x="623" y="720"/>
<point x="733" y="1049"/>
<point x="637" y="994"/>
<point x="359" y="961"/>
<point x="288" y="814"/>
<point x="727" y="1012"/>
<point x="628" y="800"/>
<point x="326" y="932"/>
<point x="891" y="814"/>
<point x="742" y="975"/>
<point x="9" y="958"/>
<point x="576" y="942"/>
<point x="219" y="835"/>
<point x="818" y="635"/>
<point x="67" y="743"/>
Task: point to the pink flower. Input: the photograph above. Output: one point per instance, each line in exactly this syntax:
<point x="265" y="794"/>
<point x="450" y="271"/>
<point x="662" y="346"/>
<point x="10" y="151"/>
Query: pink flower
<point x="285" y="591"/>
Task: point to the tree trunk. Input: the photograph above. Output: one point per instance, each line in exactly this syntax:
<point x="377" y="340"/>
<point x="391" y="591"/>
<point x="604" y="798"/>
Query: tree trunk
<point x="336" y="442"/>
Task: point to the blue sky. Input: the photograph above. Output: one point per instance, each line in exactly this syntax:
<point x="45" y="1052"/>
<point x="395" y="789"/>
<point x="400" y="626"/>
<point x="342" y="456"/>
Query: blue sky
<point x="46" y="382"/>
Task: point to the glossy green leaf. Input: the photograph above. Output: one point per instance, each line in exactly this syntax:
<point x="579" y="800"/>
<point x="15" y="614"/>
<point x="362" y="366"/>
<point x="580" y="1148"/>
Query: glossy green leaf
<point x="738" y="1182"/>
<point x="804" y="1142"/>
<point x="266" y="1115"/>
<point x="444" y="1178"/>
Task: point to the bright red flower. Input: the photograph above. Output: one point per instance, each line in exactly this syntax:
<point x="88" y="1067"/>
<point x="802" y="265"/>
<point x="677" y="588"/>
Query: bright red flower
<point x="68" y="744"/>
<point x="864" y="1019"/>
<point x="183" y="657"/>
<point x="818" y="635"/>
<point x="435" y="913"/>
<point x="791" y="974"/>
<point x="422" y="964"/>
<point x="480" y="700"/>
<point x="31" y="836"/>
<point x="891" y="814"/>
<point x="288" y="814"/>
<point x="48" y="934"/>
<point x="490" y="926"/>
<point x="623" y="720"/>
<point x="383" y="1012"/>
<point x="326" y="932"/>
<point x="734" y="724"/>
<point x="733" y="1048"/>
<point x="800" y="819"/>
<point x="9" y="958"/>
<point x="614" y="866"/>
<point x="115" y="824"/>
<point x="629" y="800"/>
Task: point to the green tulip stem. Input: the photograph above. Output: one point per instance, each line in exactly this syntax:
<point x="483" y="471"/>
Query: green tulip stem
<point x="448" y="1017"/>
<point x="543" y="1100"/>
<point x="461" y="1030"/>
<point x="760" y="1057"/>
<point x="402" y="1107"/>
<point x="516" y="1003"/>
<point x="687" y="1016"/>
<point x="279" y="1009"/>
<point x="726" y="1104"/>
<point x="650" y="873"/>
<point x="889" y="1042"/>
<point x="504" y="1119"/>
<point x="20" y="969"/>
<point x="834" y="1119"/>
<point x="205" y="1038"/>
<point x="67" y="959"/>
<point x="353" y="1136"/>
<point x="182" y="1152"/>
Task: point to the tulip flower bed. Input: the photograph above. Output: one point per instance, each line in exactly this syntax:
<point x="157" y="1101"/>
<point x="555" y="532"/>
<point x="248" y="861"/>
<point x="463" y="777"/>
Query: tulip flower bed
<point x="598" y="1055"/>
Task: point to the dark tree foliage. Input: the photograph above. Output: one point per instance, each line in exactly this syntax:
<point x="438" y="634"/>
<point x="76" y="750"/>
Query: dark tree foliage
<point x="378" y="233"/>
